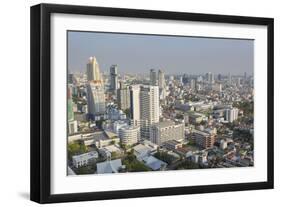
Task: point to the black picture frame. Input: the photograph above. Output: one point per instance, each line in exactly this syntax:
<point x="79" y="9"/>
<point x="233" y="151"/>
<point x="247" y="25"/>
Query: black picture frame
<point x="41" y="98"/>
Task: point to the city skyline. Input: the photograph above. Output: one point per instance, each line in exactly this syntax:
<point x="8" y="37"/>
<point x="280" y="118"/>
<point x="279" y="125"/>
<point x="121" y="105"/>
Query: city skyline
<point x="158" y="122"/>
<point x="191" y="55"/>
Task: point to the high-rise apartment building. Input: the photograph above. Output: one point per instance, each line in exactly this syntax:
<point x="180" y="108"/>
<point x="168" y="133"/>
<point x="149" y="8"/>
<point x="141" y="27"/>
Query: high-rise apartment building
<point x="95" y="98"/>
<point x="162" y="85"/>
<point x="135" y="104"/>
<point x="210" y="78"/>
<point x="185" y="79"/>
<point x="161" y="79"/>
<point x="113" y="78"/>
<point x="153" y="77"/>
<point x="72" y="123"/>
<point x="149" y="108"/>
<point x="193" y="84"/>
<point x="123" y="97"/>
<point x="70" y="113"/>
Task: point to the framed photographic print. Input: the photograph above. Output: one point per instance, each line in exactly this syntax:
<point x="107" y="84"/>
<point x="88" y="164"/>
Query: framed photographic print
<point x="133" y="103"/>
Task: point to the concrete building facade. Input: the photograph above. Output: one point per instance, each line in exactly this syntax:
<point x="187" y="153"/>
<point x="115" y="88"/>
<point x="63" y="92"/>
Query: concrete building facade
<point x="149" y="109"/>
<point x="165" y="131"/>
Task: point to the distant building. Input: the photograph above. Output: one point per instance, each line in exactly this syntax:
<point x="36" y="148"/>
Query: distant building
<point x="229" y="79"/>
<point x="153" y="77"/>
<point x="70" y="113"/>
<point x="219" y="77"/>
<point x="217" y="87"/>
<point x="231" y="114"/>
<point x="185" y="79"/>
<point x="72" y="123"/>
<point x="123" y="97"/>
<point x="113" y="78"/>
<point x="93" y="70"/>
<point x="83" y="159"/>
<point x="166" y="130"/>
<point x="162" y="85"/>
<point x="161" y="79"/>
<point x="210" y="78"/>
<point x="149" y="108"/>
<point x="70" y="78"/>
<point x="95" y="98"/>
<point x="135" y="104"/>
<point x="193" y="84"/>
<point x="238" y="82"/>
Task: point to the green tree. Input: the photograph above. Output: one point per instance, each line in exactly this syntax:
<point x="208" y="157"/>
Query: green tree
<point x="133" y="165"/>
<point x="76" y="148"/>
<point x="164" y="156"/>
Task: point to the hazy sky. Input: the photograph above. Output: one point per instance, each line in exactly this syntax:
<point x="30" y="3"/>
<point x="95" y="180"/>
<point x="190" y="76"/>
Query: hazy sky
<point x="175" y="55"/>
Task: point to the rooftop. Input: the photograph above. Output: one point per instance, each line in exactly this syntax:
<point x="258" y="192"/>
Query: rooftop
<point x="109" y="166"/>
<point x="172" y="142"/>
<point x="166" y="123"/>
<point x="85" y="156"/>
<point x="154" y="163"/>
<point x="200" y="132"/>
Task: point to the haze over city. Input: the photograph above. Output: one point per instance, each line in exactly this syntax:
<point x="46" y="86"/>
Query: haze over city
<point x="157" y="103"/>
<point x="176" y="55"/>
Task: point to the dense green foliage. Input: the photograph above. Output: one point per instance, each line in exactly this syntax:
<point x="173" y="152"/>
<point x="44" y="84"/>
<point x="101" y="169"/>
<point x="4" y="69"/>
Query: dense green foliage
<point x="133" y="165"/>
<point x="76" y="148"/>
<point x="165" y="157"/>
<point x="247" y="107"/>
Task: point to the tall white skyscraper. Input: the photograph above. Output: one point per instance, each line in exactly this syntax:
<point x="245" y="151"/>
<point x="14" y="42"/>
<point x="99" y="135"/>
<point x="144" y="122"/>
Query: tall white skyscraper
<point x="113" y="78"/>
<point x="149" y="108"/>
<point x="95" y="98"/>
<point x="162" y="85"/>
<point x="193" y="84"/>
<point x="93" y="70"/>
<point x="153" y="77"/>
<point x="123" y="97"/>
<point x="161" y="79"/>
<point x="229" y="78"/>
<point x="210" y="77"/>
<point x="135" y="104"/>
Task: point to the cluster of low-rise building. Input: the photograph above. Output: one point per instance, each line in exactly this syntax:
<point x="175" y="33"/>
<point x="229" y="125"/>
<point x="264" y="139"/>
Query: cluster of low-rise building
<point x="186" y="117"/>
